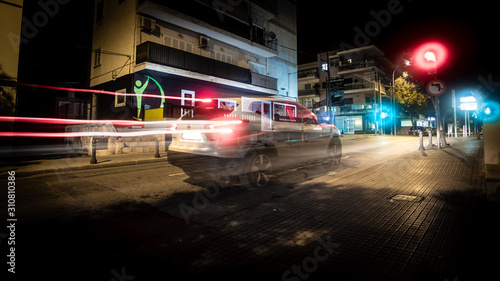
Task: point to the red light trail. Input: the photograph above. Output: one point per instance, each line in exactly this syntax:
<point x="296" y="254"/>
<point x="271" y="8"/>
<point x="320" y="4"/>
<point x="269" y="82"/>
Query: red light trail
<point x="110" y="93"/>
<point x="213" y="128"/>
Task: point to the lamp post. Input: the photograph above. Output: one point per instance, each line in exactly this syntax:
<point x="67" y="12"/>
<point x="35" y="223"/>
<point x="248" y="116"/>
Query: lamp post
<point x="326" y="67"/>
<point x="430" y="57"/>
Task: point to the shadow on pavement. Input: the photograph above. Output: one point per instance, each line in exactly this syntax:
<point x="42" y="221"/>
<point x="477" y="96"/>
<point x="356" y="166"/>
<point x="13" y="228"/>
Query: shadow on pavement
<point x="341" y="232"/>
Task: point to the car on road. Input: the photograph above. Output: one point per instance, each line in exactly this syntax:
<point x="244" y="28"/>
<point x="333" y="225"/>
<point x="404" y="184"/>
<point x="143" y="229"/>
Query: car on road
<point x="252" y="137"/>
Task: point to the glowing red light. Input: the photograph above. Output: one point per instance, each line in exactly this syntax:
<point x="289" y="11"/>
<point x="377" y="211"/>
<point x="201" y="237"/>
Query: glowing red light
<point x="111" y="93"/>
<point x="430" y="55"/>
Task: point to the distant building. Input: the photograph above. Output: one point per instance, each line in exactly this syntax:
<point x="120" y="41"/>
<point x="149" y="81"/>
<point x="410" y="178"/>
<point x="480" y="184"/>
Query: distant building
<point x="308" y="84"/>
<point x="358" y="89"/>
<point x="190" y="49"/>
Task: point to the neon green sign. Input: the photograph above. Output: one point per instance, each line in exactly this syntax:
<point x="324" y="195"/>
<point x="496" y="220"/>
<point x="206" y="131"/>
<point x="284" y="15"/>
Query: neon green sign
<point x="139" y="89"/>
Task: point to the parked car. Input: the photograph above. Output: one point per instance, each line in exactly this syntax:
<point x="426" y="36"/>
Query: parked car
<point x="251" y="137"/>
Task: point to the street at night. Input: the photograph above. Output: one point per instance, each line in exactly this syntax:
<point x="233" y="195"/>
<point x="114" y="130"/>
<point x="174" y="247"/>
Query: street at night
<point x="249" y="140"/>
<point x="145" y="220"/>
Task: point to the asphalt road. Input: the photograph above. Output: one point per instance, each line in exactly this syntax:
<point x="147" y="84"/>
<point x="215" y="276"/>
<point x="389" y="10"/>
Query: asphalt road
<point x="165" y="186"/>
<point x="87" y="223"/>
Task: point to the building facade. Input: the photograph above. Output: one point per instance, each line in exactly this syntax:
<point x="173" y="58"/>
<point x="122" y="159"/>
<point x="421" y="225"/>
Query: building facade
<point x="308" y="84"/>
<point x="190" y="50"/>
<point x="11" y="13"/>
<point x="356" y="84"/>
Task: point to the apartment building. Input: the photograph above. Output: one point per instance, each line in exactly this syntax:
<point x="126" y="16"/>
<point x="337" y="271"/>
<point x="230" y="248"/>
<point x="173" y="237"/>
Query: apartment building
<point x="190" y="50"/>
<point x="308" y="84"/>
<point x="11" y="13"/>
<point x="358" y="89"/>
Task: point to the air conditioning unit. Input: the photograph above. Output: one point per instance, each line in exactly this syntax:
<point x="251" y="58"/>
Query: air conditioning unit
<point x="147" y="24"/>
<point x="203" y="42"/>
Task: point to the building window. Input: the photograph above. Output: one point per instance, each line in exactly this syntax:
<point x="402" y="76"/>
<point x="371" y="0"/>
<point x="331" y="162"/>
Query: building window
<point x="257" y="67"/>
<point x="348" y="100"/>
<point x="220" y="56"/>
<point x="99" y="12"/>
<point x="97" y="57"/>
<point x="187" y="97"/>
<point x="120" y="100"/>
<point x="257" y="34"/>
<point x="307" y="86"/>
<point x="284" y="112"/>
<point x="178" y="43"/>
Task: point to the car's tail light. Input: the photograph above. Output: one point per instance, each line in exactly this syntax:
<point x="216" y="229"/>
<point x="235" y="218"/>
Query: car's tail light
<point x="224" y="127"/>
<point x="224" y="132"/>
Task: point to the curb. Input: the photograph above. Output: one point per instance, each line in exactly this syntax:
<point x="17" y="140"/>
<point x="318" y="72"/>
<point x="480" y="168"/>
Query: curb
<point x="89" y="166"/>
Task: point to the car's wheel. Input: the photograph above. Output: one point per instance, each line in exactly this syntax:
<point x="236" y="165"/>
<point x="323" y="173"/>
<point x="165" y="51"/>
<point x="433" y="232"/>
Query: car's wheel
<point x="259" y="168"/>
<point x="333" y="154"/>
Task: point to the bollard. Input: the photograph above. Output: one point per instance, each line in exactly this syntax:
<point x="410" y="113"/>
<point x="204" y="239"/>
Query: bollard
<point x="93" y="160"/>
<point x="421" y="137"/>
<point x="430" y="140"/>
<point x="157" y="149"/>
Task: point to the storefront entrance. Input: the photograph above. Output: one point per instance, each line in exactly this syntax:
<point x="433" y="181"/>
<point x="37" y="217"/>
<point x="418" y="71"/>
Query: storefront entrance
<point x="349" y="124"/>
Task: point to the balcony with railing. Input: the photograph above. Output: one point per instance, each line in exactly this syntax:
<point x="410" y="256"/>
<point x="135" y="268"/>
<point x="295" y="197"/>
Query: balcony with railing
<point x="354" y="108"/>
<point x="214" y="22"/>
<point x="168" y="56"/>
<point x="356" y="66"/>
<point x="358" y="86"/>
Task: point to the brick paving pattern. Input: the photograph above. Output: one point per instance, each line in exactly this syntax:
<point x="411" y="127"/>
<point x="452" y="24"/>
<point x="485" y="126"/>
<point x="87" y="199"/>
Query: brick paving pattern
<point x="352" y="228"/>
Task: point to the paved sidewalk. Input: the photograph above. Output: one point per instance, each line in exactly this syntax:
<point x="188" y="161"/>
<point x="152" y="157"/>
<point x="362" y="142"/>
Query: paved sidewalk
<point x="356" y="227"/>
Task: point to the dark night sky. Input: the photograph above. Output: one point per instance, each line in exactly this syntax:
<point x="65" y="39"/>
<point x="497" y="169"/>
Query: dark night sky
<point x="470" y="30"/>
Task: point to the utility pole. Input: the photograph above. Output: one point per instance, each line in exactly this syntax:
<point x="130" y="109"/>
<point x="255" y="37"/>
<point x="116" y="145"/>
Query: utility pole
<point x="454" y="101"/>
<point x="326" y="67"/>
<point x="328" y="90"/>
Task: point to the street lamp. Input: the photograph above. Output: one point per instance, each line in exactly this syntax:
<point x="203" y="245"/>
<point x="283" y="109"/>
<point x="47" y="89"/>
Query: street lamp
<point x="326" y="68"/>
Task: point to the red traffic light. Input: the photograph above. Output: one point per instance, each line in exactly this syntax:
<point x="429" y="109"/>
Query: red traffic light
<point x="430" y="55"/>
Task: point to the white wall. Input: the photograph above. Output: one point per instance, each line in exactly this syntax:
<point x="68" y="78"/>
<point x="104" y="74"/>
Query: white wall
<point x="119" y="32"/>
<point x="114" y="33"/>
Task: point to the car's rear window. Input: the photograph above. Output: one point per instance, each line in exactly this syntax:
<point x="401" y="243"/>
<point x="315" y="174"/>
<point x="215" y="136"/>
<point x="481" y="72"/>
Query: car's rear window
<point x="208" y="111"/>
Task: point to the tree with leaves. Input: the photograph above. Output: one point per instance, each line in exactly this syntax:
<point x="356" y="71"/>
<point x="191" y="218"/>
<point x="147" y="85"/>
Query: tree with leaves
<point x="410" y="98"/>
